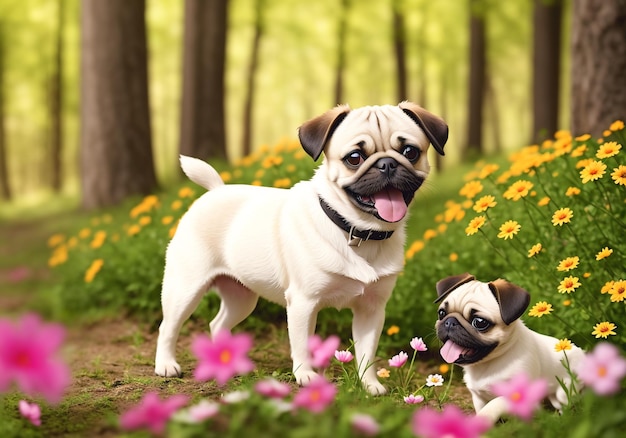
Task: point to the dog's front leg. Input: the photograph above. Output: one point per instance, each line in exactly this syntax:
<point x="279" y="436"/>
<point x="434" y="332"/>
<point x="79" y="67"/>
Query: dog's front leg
<point x="493" y="410"/>
<point x="367" y="325"/>
<point x="301" y="320"/>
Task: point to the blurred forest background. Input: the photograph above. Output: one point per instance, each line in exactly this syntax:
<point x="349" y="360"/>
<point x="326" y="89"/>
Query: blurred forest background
<point x="98" y="97"/>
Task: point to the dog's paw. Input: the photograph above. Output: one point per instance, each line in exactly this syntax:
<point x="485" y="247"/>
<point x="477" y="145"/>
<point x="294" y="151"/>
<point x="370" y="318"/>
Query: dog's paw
<point x="374" y="387"/>
<point x="304" y="377"/>
<point x="168" y="369"/>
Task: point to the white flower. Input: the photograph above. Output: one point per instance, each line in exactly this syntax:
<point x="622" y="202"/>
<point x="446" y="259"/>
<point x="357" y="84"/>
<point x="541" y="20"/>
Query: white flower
<point x="434" y="380"/>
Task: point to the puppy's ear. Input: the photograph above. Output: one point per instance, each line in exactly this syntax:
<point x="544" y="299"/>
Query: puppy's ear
<point x="434" y="127"/>
<point x="447" y="285"/>
<point x="315" y="133"/>
<point x="512" y="299"/>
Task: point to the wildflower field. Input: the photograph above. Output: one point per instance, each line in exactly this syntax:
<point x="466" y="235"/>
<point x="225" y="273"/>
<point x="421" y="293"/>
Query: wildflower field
<point x="549" y="217"/>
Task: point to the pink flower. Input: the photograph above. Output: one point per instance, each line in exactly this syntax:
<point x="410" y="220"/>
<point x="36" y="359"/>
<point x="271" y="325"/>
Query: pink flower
<point x="197" y="413"/>
<point x="316" y="396"/>
<point x="152" y="413"/>
<point x="30" y="411"/>
<point x="522" y="394"/>
<point x="343" y="356"/>
<point x="451" y="423"/>
<point x="413" y="399"/>
<point x="272" y="388"/>
<point x="398" y="360"/>
<point x="418" y="344"/>
<point x="18" y="274"/>
<point x="602" y="369"/>
<point x="28" y="350"/>
<point x="222" y="357"/>
<point x="364" y="424"/>
<point x="322" y="351"/>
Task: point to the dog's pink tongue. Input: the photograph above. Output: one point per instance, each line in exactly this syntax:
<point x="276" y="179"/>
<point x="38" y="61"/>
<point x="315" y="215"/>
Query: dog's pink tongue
<point x="450" y="351"/>
<point x="390" y="204"/>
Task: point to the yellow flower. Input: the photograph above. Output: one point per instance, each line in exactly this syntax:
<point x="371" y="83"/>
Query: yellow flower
<point x="606" y="133"/>
<point x="415" y="247"/>
<point x="441" y="228"/>
<point x="454" y="257"/>
<point x="475" y="225"/>
<point x="256" y="182"/>
<point x="572" y="191"/>
<point x="606" y="251"/>
<point x="185" y="192"/>
<point x="282" y="183"/>
<point x="383" y="373"/>
<point x="166" y="220"/>
<point x="484" y="203"/>
<point x="226" y="176"/>
<point x="98" y="239"/>
<point x="592" y="171"/>
<point x="562" y="216"/>
<point x="518" y="190"/>
<point x="145" y="220"/>
<point x="93" y="269"/>
<point x="604" y="329"/>
<point x="540" y="309"/>
<point x="393" y="330"/>
<point x="607" y="287"/>
<point x="133" y="229"/>
<point x="173" y="230"/>
<point x="562" y="345"/>
<point x="430" y="234"/>
<point x="583" y="137"/>
<point x="579" y="151"/>
<point x="55" y="240"/>
<point x="619" y="175"/>
<point x="487" y="170"/>
<point x="617" y="125"/>
<point x="567" y="303"/>
<point x="259" y="174"/>
<point x="177" y="204"/>
<point x="583" y="163"/>
<point x="568" y="264"/>
<point x="535" y="249"/>
<point x="508" y="230"/>
<point x="59" y="256"/>
<point x="84" y="233"/>
<point x="568" y="285"/>
<point x="444" y="368"/>
<point x="618" y="291"/>
<point x="608" y="149"/>
<point x="471" y="189"/>
<point x="543" y="201"/>
<point x="272" y="161"/>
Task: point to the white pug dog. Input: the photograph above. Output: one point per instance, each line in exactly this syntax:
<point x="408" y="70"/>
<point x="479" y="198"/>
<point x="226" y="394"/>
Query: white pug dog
<point x="480" y="329"/>
<point x="336" y="240"/>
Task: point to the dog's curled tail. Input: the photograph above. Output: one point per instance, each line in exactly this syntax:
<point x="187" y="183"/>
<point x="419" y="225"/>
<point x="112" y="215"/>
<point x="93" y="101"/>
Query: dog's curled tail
<point x="200" y="172"/>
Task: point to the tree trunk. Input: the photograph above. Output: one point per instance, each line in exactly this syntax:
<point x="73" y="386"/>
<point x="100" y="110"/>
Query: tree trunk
<point x="5" y="186"/>
<point x="56" y="104"/>
<point x="203" y="128"/>
<point x="115" y="139"/>
<point x="248" y="108"/>
<point x="598" y="65"/>
<point x="546" y="68"/>
<point x="476" y="79"/>
<point x="341" y="51"/>
<point x="399" y="47"/>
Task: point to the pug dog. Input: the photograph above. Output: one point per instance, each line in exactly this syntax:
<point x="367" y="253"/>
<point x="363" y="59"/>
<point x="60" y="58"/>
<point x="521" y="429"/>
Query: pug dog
<point x="336" y="240"/>
<point x="480" y="329"/>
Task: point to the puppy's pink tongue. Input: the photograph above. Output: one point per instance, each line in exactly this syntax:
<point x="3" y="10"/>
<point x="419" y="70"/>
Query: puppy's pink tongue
<point x="390" y="204"/>
<point x="450" y="351"/>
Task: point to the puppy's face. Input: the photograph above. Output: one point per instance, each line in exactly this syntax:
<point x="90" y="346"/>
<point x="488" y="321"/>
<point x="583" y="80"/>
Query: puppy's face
<point x="375" y="156"/>
<point x="475" y="319"/>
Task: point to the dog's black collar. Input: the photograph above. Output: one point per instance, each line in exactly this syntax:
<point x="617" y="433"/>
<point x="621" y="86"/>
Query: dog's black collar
<point x="355" y="236"/>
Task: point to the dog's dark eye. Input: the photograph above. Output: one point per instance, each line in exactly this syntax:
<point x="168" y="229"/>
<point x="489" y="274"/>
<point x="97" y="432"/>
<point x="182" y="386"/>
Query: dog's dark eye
<point x="411" y="153"/>
<point x="480" y="324"/>
<point x="354" y="159"/>
<point x="442" y="313"/>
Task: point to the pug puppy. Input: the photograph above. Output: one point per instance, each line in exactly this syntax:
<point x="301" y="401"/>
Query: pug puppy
<point x="480" y="329"/>
<point x="336" y="240"/>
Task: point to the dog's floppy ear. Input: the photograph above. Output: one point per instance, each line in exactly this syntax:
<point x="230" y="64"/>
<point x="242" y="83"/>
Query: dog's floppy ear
<point x="434" y="127"/>
<point x="315" y="133"/>
<point x="512" y="299"/>
<point x="447" y="285"/>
